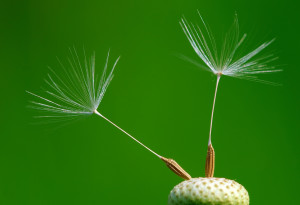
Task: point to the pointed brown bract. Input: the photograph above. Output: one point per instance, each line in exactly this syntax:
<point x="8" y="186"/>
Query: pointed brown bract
<point x="176" y="168"/>
<point x="210" y="161"/>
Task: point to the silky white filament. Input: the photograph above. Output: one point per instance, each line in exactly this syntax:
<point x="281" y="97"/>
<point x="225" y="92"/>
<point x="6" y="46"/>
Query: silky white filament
<point x="222" y="62"/>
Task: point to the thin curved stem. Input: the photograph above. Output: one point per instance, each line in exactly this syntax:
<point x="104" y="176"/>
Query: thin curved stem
<point x="213" y="109"/>
<point x="171" y="164"/>
<point x="97" y="113"/>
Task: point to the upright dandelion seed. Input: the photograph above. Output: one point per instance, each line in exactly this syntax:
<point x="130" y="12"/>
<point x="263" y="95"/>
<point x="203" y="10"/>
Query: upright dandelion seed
<point x="221" y="62"/>
<point x="79" y="92"/>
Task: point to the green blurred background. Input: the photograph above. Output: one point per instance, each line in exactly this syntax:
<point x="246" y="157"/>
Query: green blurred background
<point x="162" y="100"/>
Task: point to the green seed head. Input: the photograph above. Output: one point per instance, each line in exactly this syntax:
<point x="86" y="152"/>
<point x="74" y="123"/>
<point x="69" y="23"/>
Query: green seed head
<point x="209" y="191"/>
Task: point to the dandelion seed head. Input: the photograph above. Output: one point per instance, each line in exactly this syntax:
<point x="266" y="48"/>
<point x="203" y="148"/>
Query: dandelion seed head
<point x="224" y="61"/>
<point x="78" y="91"/>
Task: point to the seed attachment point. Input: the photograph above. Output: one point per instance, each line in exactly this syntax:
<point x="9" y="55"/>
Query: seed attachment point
<point x="210" y="161"/>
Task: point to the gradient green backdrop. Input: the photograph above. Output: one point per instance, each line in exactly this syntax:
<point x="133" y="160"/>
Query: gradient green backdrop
<point x="162" y="100"/>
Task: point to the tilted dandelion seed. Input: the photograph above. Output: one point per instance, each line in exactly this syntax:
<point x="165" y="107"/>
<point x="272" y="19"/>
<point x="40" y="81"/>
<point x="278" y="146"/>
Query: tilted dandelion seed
<point x="80" y="93"/>
<point x="225" y="62"/>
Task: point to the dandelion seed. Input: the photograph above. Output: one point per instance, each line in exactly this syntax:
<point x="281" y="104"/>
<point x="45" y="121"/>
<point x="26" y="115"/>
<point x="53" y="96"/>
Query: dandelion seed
<point x="225" y="62"/>
<point x="80" y="93"/>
